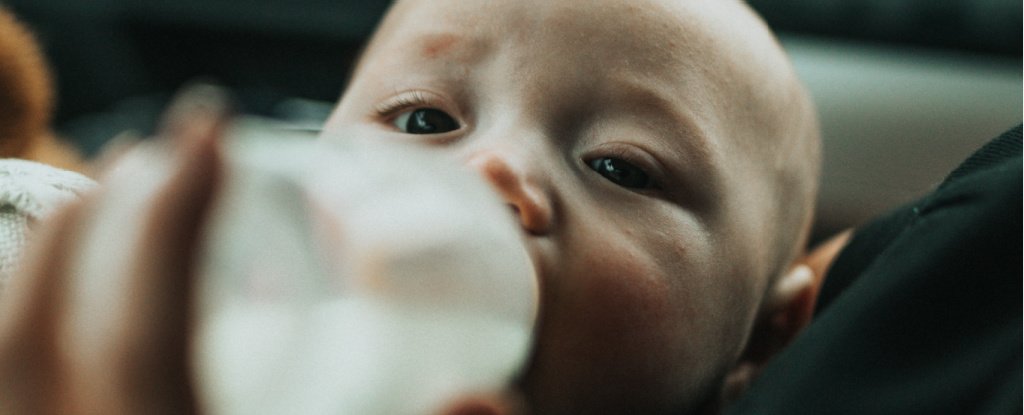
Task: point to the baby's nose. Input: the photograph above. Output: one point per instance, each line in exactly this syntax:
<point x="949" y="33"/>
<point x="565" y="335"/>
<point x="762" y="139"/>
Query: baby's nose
<point x="528" y="200"/>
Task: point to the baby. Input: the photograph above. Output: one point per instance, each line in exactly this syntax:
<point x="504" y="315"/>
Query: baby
<point x="660" y="155"/>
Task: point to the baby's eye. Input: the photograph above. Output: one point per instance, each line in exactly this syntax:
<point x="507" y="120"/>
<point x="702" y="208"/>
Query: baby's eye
<point x="621" y="173"/>
<point x="425" y="121"/>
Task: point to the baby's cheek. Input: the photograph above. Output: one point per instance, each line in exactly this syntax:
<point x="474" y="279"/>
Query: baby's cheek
<point x="621" y="330"/>
<point x="665" y="311"/>
<point x="626" y="297"/>
<point x="637" y="321"/>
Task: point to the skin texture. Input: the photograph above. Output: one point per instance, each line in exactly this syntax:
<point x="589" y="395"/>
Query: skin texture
<point x="653" y="297"/>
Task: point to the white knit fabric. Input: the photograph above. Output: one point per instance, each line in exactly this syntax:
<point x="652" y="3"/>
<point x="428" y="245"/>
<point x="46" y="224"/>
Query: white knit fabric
<point x="29" y="192"/>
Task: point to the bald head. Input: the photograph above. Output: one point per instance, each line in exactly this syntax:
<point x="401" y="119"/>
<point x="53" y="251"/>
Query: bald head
<point x="738" y="84"/>
<point x="771" y="120"/>
<point x="660" y="154"/>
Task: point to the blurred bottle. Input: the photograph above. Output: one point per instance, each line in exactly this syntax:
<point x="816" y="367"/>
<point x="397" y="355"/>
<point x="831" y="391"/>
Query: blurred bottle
<point x="353" y="276"/>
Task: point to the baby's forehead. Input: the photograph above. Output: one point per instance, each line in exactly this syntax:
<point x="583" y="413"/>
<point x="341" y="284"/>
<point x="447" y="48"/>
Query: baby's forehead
<point x="633" y="28"/>
<point x="672" y="49"/>
<point x="712" y="57"/>
<point x="710" y="64"/>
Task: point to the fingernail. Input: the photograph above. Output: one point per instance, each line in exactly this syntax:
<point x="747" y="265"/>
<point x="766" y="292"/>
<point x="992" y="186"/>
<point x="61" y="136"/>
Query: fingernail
<point x="475" y="408"/>
<point x="198" y="113"/>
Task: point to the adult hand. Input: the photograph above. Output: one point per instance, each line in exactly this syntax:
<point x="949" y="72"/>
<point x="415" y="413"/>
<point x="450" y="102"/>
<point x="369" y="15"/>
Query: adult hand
<point x="117" y="338"/>
<point x="124" y="348"/>
<point x="505" y="403"/>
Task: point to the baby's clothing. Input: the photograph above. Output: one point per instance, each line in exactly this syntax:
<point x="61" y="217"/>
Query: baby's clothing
<point x="29" y="192"/>
<point x="920" y="313"/>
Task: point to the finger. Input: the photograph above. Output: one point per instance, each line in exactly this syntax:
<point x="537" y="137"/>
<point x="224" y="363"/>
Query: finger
<point x="157" y="334"/>
<point x="127" y="332"/>
<point x="113" y="151"/>
<point x="30" y="359"/>
<point x="184" y="118"/>
<point x="508" y="403"/>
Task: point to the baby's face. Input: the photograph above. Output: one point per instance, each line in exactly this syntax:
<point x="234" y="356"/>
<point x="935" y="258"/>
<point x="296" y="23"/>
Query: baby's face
<point x="624" y="136"/>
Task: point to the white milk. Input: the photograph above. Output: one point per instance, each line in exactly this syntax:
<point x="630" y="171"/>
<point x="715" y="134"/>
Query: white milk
<point x="351" y="277"/>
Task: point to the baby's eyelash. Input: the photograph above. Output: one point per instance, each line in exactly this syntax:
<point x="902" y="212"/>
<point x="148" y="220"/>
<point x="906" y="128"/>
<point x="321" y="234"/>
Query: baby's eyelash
<point x="648" y="165"/>
<point x="403" y="101"/>
<point x="629" y="157"/>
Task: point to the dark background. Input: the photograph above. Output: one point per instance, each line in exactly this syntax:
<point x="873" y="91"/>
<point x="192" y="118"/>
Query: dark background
<point x="118" y="62"/>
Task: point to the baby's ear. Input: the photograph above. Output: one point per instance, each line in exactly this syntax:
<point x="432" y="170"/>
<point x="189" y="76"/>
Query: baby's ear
<point x="787" y="309"/>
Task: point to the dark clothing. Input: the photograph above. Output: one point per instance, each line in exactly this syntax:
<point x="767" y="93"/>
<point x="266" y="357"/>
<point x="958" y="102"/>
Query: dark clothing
<point x="922" y="311"/>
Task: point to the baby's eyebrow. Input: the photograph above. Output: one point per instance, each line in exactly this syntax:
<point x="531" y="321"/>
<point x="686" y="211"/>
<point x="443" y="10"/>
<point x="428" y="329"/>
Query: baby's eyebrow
<point x="670" y="116"/>
<point x="685" y="146"/>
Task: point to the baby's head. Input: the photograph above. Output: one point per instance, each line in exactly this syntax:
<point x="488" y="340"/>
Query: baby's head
<point x="661" y="157"/>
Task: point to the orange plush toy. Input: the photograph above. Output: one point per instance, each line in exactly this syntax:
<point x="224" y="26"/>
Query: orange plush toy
<point x="27" y="99"/>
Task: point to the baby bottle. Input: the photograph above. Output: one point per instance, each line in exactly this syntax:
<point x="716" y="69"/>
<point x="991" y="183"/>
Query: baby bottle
<point x="355" y="276"/>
